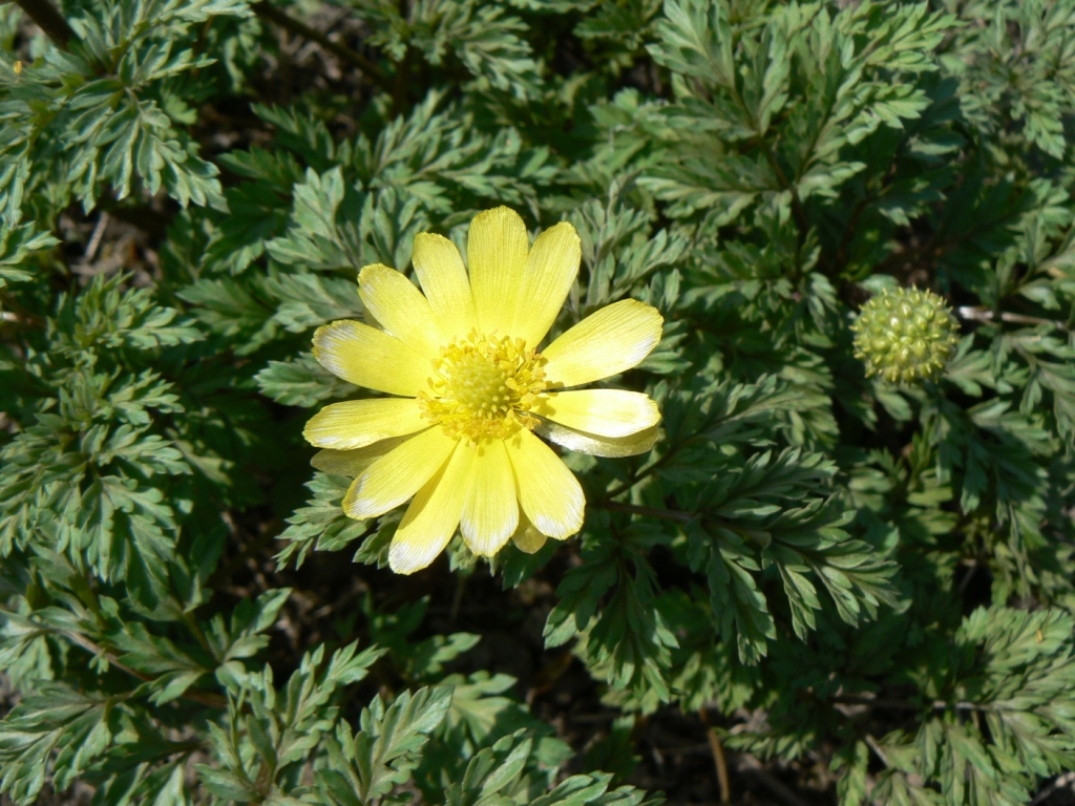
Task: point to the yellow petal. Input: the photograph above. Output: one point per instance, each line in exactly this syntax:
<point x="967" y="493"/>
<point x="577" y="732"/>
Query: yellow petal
<point x="491" y="511"/>
<point x="443" y="277"/>
<point x="604" y="412"/>
<point x="614" y="447"/>
<point x="551" y="269"/>
<point x="433" y="515"/>
<point x="549" y="493"/>
<point x="398" y="475"/>
<point x="369" y="357"/>
<point x="399" y="307"/>
<point x="497" y="246"/>
<point x="357" y="423"/>
<point x="352" y="463"/>
<point x="605" y="343"/>
<point x="527" y="538"/>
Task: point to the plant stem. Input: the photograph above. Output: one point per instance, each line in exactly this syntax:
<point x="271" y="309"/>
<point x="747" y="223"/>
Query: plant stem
<point x="49" y="20"/>
<point x="202" y="697"/>
<point x="759" y="537"/>
<point x="653" y="512"/>
<point x="982" y="314"/>
<point x="199" y="635"/>
<point x="907" y="705"/>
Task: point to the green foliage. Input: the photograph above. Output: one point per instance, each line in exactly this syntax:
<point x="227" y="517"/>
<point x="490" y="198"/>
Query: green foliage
<point x="1017" y="69"/>
<point x="106" y="114"/>
<point x="16" y="245"/>
<point x="997" y="724"/>
<point x="872" y="586"/>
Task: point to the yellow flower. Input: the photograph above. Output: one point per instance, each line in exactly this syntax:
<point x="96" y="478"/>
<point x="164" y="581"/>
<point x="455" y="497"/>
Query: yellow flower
<point x="469" y="389"/>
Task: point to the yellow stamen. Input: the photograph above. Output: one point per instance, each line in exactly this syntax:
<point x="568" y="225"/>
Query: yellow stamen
<point x="484" y="387"/>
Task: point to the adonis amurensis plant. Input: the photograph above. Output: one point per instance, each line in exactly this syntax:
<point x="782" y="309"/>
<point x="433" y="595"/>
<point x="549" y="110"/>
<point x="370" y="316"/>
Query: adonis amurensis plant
<point x="470" y="403"/>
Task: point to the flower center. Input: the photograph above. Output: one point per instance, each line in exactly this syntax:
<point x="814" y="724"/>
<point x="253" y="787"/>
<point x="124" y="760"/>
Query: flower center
<point x="484" y="387"/>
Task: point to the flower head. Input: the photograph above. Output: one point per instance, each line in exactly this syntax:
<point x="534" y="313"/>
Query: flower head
<point x="469" y="390"/>
<point x="906" y="335"/>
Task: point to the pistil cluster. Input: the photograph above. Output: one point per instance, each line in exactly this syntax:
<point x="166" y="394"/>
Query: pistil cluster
<point x="484" y="387"/>
<point x="906" y="335"/>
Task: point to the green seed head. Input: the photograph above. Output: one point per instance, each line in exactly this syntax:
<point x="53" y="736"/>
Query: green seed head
<point x="905" y="335"/>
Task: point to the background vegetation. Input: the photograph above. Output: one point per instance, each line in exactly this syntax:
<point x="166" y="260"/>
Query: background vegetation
<point x="817" y="588"/>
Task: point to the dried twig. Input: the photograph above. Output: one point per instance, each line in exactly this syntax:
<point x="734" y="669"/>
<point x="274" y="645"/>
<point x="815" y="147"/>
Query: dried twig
<point x="345" y="54"/>
<point x="719" y="760"/>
